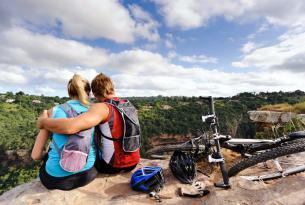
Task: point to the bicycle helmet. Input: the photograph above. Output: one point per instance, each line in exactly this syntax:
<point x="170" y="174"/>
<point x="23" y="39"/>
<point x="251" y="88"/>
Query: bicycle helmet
<point x="147" y="179"/>
<point x="183" y="167"/>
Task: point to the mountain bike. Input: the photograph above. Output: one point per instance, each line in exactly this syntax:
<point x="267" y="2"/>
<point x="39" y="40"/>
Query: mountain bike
<point x="253" y="151"/>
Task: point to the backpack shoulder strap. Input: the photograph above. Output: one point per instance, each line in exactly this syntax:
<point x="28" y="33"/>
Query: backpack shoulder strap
<point x="56" y="147"/>
<point x="69" y="110"/>
<point x="111" y="118"/>
<point x="128" y="109"/>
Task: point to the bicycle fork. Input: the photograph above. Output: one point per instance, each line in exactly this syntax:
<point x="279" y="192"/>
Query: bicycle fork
<point x="225" y="184"/>
<point x="218" y="158"/>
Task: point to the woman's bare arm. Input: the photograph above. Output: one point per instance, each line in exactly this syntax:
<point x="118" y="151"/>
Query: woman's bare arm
<point x="96" y="114"/>
<point x="41" y="139"/>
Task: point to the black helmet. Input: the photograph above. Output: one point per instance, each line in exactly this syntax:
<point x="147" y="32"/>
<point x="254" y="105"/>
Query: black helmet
<point x="183" y="167"/>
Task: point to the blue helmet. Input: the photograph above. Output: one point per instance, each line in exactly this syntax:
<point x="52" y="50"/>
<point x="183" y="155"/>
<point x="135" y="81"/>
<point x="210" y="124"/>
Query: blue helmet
<point x="147" y="179"/>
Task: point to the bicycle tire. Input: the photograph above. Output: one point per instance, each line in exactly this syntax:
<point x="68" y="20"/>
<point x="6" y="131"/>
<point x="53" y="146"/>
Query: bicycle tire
<point x="291" y="148"/>
<point x="170" y="148"/>
<point x="283" y="141"/>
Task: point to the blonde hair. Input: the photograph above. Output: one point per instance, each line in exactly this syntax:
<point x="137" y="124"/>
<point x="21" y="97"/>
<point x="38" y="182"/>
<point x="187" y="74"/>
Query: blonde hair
<point x="102" y="85"/>
<point x="79" y="87"/>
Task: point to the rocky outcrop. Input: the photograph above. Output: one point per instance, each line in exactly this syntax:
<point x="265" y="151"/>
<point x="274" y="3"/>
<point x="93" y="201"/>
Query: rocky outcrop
<point x="21" y="157"/>
<point x="274" y="117"/>
<point x="114" y="189"/>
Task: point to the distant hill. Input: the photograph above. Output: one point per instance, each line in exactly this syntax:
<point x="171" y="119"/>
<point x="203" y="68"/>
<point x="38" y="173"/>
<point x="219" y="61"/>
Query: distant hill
<point x="178" y="116"/>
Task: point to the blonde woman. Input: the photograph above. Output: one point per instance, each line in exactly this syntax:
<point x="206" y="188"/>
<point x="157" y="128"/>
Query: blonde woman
<point x="51" y="173"/>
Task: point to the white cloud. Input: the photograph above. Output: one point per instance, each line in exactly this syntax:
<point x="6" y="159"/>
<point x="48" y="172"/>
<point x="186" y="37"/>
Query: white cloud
<point x="23" y="47"/>
<point x="169" y="44"/>
<point x="194" y="59"/>
<point x="11" y="74"/>
<point x="47" y="67"/>
<point x="92" y="19"/>
<point x="248" y="47"/>
<point x="63" y="75"/>
<point x="169" y="40"/>
<point x="263" y="28"/>
<point x="287" y="54"/>
<point x="198" y="59"/>
<point x="151" y="46"/>
<point x="172" y="55"/>
<point x="145" y="73"/>
<point x="57" y="75"/>
<point x="46" y="89"/>
<point x="145" y="26"/>
<point x="138" y="61"/>
<point x="196" y="13"/>
<point x="37" y="80"/>
<point x="44" y="63"/>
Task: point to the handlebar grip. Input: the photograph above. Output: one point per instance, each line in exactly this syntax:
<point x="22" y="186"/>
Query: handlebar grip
<point x="205" y="98"/>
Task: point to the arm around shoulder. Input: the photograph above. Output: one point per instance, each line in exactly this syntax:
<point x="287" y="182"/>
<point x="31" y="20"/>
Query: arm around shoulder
<point x="96" y="114"/>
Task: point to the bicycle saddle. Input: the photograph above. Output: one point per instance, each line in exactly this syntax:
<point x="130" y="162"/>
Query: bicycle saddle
<point x="299" y="134"/>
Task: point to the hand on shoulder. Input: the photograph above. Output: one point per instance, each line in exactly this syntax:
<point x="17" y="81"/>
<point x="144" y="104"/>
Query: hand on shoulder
<point x="100" y="108"/>
<point x="40" y="119"/>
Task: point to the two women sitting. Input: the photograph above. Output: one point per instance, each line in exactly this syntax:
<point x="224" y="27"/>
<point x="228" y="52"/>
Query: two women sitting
<point x="109" y="158"/>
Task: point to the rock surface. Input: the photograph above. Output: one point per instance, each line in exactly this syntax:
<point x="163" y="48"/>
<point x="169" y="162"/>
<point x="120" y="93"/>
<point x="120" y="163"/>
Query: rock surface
<point x="114" y="189"/>
<point x="274" y="117"/>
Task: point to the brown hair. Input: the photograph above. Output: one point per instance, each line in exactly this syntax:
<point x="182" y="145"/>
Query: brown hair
<point x="102" y="85"/>
<point x="79" y="87"/>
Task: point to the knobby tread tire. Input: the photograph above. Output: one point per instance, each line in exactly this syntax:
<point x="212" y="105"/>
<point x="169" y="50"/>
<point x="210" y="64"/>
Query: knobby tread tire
<point x="291" y="148"/>
<point x="284" y="141"/>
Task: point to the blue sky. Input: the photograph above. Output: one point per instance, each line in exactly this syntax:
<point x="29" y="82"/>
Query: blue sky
<point x="153" y="47"/>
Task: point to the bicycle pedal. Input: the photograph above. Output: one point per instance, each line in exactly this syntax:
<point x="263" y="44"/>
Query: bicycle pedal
<point x="215" y="160"/>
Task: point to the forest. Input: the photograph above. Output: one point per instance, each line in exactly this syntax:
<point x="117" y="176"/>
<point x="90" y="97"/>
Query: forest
<point x="158" y="115"/>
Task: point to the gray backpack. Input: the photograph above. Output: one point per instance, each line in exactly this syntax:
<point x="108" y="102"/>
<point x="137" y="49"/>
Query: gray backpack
<point x="131" y="139"/>
<point x="74" y="154"/>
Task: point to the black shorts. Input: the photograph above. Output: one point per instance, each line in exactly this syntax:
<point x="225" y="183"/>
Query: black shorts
<point x="103" y="167"/>
<point x="66" y="183"/>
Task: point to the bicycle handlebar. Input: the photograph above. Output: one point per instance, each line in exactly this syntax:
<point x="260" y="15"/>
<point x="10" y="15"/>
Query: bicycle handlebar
<point x="210" y="100"/>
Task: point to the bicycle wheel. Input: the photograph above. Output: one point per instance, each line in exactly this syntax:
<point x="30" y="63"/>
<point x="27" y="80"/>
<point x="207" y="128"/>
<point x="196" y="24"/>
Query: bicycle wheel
<point x="282" y="141"/>
<point x="282" y="154"/>
<point x="157" y="152"/>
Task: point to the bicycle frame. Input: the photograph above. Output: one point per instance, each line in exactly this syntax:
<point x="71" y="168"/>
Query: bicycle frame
<point x="216" y="137"/>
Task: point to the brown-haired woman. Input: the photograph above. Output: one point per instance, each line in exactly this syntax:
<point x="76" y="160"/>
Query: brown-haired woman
<point x="51" y="174"/>
<point x="112" y="158"/>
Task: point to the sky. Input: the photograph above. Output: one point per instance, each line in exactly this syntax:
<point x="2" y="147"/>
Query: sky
<point x="153" y="47"/>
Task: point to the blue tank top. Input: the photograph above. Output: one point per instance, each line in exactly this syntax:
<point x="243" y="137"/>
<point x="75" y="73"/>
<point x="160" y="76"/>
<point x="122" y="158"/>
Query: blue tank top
<point x="52" y="165"/>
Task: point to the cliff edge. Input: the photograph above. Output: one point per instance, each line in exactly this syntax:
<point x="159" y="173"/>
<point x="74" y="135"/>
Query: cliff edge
<point x="114" y="189"/>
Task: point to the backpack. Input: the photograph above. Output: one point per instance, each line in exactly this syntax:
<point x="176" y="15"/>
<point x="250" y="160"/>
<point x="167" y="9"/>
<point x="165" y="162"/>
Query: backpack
<point x="74" y="155"/>
<point x="131" y="139"/>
